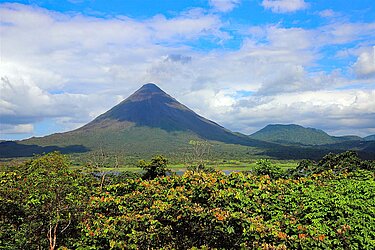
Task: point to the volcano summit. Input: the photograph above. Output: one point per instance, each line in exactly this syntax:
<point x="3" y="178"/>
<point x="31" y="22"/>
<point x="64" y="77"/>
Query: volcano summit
<point x="152" y="122"/>
<point x="151" y="107"/>
<point x="148" y="122"/>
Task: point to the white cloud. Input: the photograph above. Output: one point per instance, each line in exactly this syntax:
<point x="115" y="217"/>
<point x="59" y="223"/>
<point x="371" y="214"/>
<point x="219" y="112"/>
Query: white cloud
<point x="190" y="25"/>
<point x="321" y="109"/>
<point x="224" y="5"/>
<point x="290" y="38"/>
<point x="327" y="13"/>
<point x="16" y="129"/>
<point x="284" y="6"/>
<point x="23" y="102"/>
<point x="74" y="30"/>
<point x="345" y="32"/>
<point x="365" y="64"/>
<point x="70" y="68"/>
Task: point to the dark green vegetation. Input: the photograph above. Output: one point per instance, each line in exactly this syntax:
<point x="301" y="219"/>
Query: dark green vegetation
<point x="155" y="168"/>
<point x="296" y="134"/>
<point x="41" y="203"/>
<point x="329" y="204"/>
<point x="151" y="122"/>
<point x="11" y="149"/>
<point x="148" y="122"/>
<point x="369" y="138"/>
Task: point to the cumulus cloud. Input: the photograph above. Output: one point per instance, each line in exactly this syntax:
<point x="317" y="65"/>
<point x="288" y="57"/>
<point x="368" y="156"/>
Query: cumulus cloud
<point x="224" y="5"/>
<point x="365" y="64"/>
<point x="16" y="129"/>
<point x="24" y="103"/>
<point x="70" y="68"/>
<point x="327" y="13"/>
<point x="344" y="32"/>
<point x="120" y="30"/>
<point x="284" y="6"/>
<point x="178" y="58"/>
<point x="340" y="109"/>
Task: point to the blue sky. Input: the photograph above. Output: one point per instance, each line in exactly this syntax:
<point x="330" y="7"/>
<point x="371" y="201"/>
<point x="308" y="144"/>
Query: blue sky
<point x="242" y="63"/>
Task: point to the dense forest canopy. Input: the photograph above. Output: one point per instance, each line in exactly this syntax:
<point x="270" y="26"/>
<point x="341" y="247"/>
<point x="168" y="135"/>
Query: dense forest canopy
<point x="329" y="204"/>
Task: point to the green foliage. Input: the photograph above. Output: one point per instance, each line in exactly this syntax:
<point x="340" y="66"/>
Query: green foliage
<point x="304" y="168"/>
<point x="265" y="167"/>
<point x="156" y="167"/>
<point x="200" y="150"/>
<point x="115" y="178"/>
<point x="337" y="163"/>
<point x="41" y="202"/>
<point x="296" y="134"/>
<point x="347" y="161"/>
<point x="369" y="138"/>
<point x="200" y="210"/>
<point x="201" y="168"/>
<point x="331" y="205"/>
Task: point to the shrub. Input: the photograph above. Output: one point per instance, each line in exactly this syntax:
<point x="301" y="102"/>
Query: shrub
<point x="232" y="212"/>
<point x="156" y="167"/>
<point x="337" y="163"/>
<point x="265" y="167"/>
<point x="201" y="168"/>
<point x="41" y="203"/>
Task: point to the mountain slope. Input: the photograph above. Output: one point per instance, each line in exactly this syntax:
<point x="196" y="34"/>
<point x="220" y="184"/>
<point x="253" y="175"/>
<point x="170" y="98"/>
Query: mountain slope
<point x="296" y="134"/>
<point x="148" y="122"/>
<point x="153" y="108"/>
<point x="369" y="138"/>
<point x="151" y="122"/>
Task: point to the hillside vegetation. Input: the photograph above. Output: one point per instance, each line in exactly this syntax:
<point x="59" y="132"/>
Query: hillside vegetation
<point x="296" y="134"/>
<point x="370" y="138"/>
<point x="328" y="204"/>
<point x="148" y="115"/>
<point x="151" y="122"/>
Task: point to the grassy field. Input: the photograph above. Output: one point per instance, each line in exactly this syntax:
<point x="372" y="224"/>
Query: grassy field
<point x="231" y="165"/>
<point x="129" y="163"/>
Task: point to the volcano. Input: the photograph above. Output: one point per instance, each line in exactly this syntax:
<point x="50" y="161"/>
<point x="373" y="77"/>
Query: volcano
<point x="148" y="122"/>
<point x="151" y="107"/>
<point x="152" y="122"/>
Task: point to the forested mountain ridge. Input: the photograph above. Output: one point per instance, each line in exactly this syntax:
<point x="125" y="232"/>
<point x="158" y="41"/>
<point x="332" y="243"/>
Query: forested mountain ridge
<point x="151" y="122"/>
<point x="369" y="138"/>
<point x="296" y="134"/>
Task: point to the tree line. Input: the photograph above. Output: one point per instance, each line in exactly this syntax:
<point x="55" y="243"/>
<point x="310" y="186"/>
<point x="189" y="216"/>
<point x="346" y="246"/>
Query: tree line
<point x="329" y="204"/>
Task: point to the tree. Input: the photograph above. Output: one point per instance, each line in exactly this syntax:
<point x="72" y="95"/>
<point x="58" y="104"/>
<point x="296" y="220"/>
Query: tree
<point x="156" y="167"/>
<point x="346" y="161"/>
<point x="265" y="167"/>
<point x="98" y="161"/>
<point x="200" y="150"/>
<point x="48" y="199"/>
<point x="304" y="168"/>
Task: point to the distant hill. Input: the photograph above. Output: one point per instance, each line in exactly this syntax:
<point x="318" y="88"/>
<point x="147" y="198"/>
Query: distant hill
<point x="369" y="138"/>
<point x="152" y="122"/>
<point x="151" y="107"/>
<point x="148" y="122"/>
<point x="296" y="134"/>
<point x="11" y="149"/>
